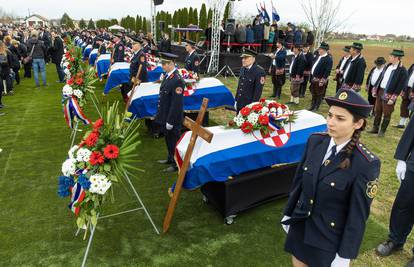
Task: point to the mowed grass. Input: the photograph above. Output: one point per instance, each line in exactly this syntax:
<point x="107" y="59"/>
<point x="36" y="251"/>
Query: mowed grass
<point x="37" y="228"/>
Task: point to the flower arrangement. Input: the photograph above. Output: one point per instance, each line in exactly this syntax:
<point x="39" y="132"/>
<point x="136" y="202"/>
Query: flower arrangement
<point x="100" y="161"/>
<point x="265" y="116"/>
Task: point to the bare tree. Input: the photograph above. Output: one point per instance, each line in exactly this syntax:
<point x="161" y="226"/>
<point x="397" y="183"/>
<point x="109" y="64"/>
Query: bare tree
<point x="323" y="16"/>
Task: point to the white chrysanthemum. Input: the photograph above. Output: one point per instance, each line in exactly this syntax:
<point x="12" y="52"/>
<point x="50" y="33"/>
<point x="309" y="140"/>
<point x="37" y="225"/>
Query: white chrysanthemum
<point x="69" y="167"/>
<point x="83" y="154"/>
<point x="72" y="151"/>
<point x="66" y="71"/>
<point x="253" y="117"/>
<point x="78" y="93"/>
<point x="67" y="90"/>
<point x="99" y="184"/>
<point x="239" y="120"/>
<point x="264" y="110"/>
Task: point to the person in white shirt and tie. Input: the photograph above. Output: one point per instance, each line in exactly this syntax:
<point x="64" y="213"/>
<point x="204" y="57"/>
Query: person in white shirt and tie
<point x="373" y="77"/>
<point x="296" y="69"/>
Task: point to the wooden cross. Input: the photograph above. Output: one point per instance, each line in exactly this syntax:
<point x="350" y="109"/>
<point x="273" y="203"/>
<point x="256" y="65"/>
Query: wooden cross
<point x="197" y="130"/>
<point x="135" y="82"/>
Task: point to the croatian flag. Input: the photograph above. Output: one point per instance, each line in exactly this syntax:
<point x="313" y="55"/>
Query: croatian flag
<point x="275" y="15"/>
<point x="232" y="152"/>
<point x="144" y="102"/>
<point x="118" y="74"/>
<point x="92" y="56"/>
<point x="265" y="15"/>
<point x="103" y="63"/>
<point x="87" y="51"/>
<point x="78" y="194"/>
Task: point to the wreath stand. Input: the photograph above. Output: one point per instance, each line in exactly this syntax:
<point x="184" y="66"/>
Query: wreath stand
<point x="92" y="228"/>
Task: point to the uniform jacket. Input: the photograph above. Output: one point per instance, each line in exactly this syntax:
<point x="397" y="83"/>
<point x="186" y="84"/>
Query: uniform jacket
<point x="356" y="71"/>
<point x="192" y="62"/>
<point x="56" y="51"/>
<point x="298" y="66"/>
<point x="409" y="72"/>
<point x="405" y="147"/>
<point x="118" y="54"/>
<point x="334" y="203"/>
<point x="250" y="85"/>
<point x="308" y="61"/>
<point x="170" y="103"/>
<point x="396" y="83"/>
<point x="340" y="63"/>
<point x="281" y="59"/>
<point x="324" y="67"/>
<point x="134" y="66"/>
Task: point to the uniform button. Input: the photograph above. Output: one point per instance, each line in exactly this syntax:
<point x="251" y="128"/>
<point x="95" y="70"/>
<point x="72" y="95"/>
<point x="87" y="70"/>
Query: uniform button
<point x="311" y="201"/>
<point x="372" y="156"/>
<point x="309" y="213"/>
<point x="306" y="168"/>
<point x="332" y="224"/>
<point x="332" y="184"/>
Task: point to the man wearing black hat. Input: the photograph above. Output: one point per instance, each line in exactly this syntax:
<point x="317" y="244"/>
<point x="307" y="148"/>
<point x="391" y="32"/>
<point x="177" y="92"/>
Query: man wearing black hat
<point x="373" y="77"/>
<point x="354" y="72"/>
<point x="402" y="213"/>
<point x="308" y="67"/>
<point x="296" y="69"/>
<point x="138" y="59"/>
<point x="118" y="54"/>
<point x="320" y="72"/>
<point x="392" y="81"/>
<point x="405" y="96"/>
<point x="340" y="68"/>
<point x="192" y="60"/>
<point x="251" y="80"/>
<point x="277" y="69"/>
<point x="170" y="112"/>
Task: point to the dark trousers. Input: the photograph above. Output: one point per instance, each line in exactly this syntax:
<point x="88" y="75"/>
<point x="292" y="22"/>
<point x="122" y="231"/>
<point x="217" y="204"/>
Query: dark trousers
<point x="278" y="82"/>
<point x="338" y="79"/>
<point x="16" y="75"/>
<point x="381" y="107"/>
<point x="303" y="85"/>
<point x="404" y="112"/>
<point x="171" y="139"/>
<point x="318" y="92"/>
<point x="60" y="73"/>
<point x="372" y="100"/>
<point x="125" y="88"/>
<point x="9" y="84"/>
<point x="402" y="213"/>
<point x="27" y="70"/>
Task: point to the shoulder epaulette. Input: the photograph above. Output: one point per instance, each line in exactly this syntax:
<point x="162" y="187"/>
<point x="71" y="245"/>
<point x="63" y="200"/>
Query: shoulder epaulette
<point x="368" y="155"/>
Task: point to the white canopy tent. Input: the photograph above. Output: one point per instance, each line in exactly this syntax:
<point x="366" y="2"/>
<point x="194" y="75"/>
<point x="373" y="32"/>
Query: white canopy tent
<point x="116" y="27"/>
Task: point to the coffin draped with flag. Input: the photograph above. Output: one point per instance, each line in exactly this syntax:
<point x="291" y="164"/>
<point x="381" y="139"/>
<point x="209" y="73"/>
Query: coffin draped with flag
<point x="232" y="152"/>
<point x="92" y="56"/>
<point x="102" y="65"/>
<point x="144" y="102"/>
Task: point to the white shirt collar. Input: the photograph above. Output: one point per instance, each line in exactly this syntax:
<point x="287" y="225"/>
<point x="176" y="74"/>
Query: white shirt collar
<point x="191" y="53"/>
<point x="324" y="55"/>
<point x="171" y="72"/>
<point x="338" y="148"/>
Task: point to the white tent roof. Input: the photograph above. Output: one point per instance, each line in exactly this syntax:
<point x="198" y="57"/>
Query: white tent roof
<point x="116" y="27"/>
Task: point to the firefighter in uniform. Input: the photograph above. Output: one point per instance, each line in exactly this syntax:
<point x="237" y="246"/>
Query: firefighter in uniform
<point x="192" y="60"/>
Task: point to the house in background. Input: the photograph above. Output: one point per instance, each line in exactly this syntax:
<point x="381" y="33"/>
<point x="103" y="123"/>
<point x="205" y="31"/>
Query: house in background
<point x="36" y="20"/>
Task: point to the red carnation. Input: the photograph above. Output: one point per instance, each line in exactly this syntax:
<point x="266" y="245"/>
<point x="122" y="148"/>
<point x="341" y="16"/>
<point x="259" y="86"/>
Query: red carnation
<point x="257" y="107"/>
<point x="283" y="106"/>
<point x="263" y="120"/>
<point x="247" y="127"/>
<point x="67" y="54"/>
<point x="91" y="140"/>
<point x="69" y="66"/>
<point x="262" y="100"/>
<point x="98" y="124"/>
<point x="71" y="59"/>
<point x="111" y="151"/>
<point x="273" y="105"/>
<point x="70" y="81"/>
<point x="79" y="81"/>
<point x="245" y="111"/>
<point x="96" y="158"/>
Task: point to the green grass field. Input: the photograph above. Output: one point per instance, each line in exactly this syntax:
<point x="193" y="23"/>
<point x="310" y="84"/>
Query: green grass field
<point x="37" y="228"/>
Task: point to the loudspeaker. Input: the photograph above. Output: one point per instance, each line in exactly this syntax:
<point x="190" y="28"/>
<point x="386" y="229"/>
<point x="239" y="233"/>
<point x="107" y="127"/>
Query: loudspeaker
<point x="162" y="25"/>
<point x="158" y="2"/>
<point x="230" y="26"/>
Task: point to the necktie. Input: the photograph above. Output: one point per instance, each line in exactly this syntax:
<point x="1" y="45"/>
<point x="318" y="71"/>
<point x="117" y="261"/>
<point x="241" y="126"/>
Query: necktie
<point x="331" y="157"/>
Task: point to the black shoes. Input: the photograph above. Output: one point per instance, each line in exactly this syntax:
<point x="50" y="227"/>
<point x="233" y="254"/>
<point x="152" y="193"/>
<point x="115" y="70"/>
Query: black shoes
<point x="387" y="248"/>
<point x="164" y="161"/>
<point x="399" y="126"/>
<point x="171" y="169"/>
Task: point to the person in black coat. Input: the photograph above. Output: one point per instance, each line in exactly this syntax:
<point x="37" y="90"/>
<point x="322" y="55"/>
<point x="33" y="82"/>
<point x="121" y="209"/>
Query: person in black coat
<point x="296" y="69"/>
<point x="405" y="99"/>
<point x="321" y="69"/>
<point x="277" y="69"/>
<point x="355" y="70"/>
<point x="138" y="59"/>
<point x="170" y="114"/>
<point x="5" y="71"/>
<point x="308" y="67"/>
<point x="15" y="64"/>
<point x="56" y="54"/>
<point x="340" y="68"/>
<point x="392" y="81"/>
<point x="118" y="55"/>
<point x="165" y="44"/>
<point x="373" y="77"/>
<point x="333" y="188"/>
<point x="251" y="80"/>
<point x="192" y="60"/>
<point x="402" y="213"/>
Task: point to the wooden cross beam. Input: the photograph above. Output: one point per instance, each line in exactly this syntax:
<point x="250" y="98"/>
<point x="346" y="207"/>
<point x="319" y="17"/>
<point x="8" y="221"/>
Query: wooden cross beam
<point x="197" y="130"/>
<point x="135" y="82"/>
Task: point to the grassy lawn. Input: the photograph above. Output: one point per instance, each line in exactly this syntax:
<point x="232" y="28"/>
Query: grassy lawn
<point x="37" y="228"/>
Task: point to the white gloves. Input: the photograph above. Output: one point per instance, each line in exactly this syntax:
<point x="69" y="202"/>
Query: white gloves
<point x="168" y="126"/>
<point x="400" y="170"/>
<point x="340" y="262"/>
<point x="235" y="105"/>
<point x="285" y="227"/>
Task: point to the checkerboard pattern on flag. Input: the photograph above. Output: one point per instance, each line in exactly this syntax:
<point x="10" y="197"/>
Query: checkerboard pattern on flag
<point x="276" y="138"/>
<point x="189" y="90"/>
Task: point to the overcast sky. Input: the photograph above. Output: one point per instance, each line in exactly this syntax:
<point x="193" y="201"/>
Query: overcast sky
<point x="367" y="16"/>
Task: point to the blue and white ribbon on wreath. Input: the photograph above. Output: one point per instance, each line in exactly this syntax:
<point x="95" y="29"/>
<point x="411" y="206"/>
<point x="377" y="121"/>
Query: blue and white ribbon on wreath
<point x="71" y="109"/>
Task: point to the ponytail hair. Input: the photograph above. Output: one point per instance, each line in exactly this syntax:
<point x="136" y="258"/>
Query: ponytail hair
<point x="352" y="144"/>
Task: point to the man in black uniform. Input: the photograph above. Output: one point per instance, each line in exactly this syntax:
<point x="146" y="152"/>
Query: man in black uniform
<point x="308" y="66"/>
<point x="251" y="81"/>
<point x="355" y="69"/>
<point x="170" y="112"/>
<point x="340" y="68"/>
<point x="118" y="54"/>
<point x="192" y="60"/>
<point x="137" y="60"/>
<point x="402" y="213"/>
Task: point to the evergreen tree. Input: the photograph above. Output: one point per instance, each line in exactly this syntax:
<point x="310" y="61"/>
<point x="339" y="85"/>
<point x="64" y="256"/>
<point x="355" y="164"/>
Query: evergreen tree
<point x="113" y="22"/>
<point x="67" y="21"/>
<point x="184" y="17"/>
<point x="144" y="24"/>
<point x="91" y="25"/>
<point x="190" y="16"/>
<point x="136" y="24"/>
<point x="202" y="22"/>
<point x="210" y="15"/>
<point x="226" y="12"/>
<point x="82" y="24"/>
<point x="195" y="16"/>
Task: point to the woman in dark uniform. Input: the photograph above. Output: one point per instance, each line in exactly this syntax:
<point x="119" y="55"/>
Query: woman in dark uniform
<point x="333" y="188"/>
